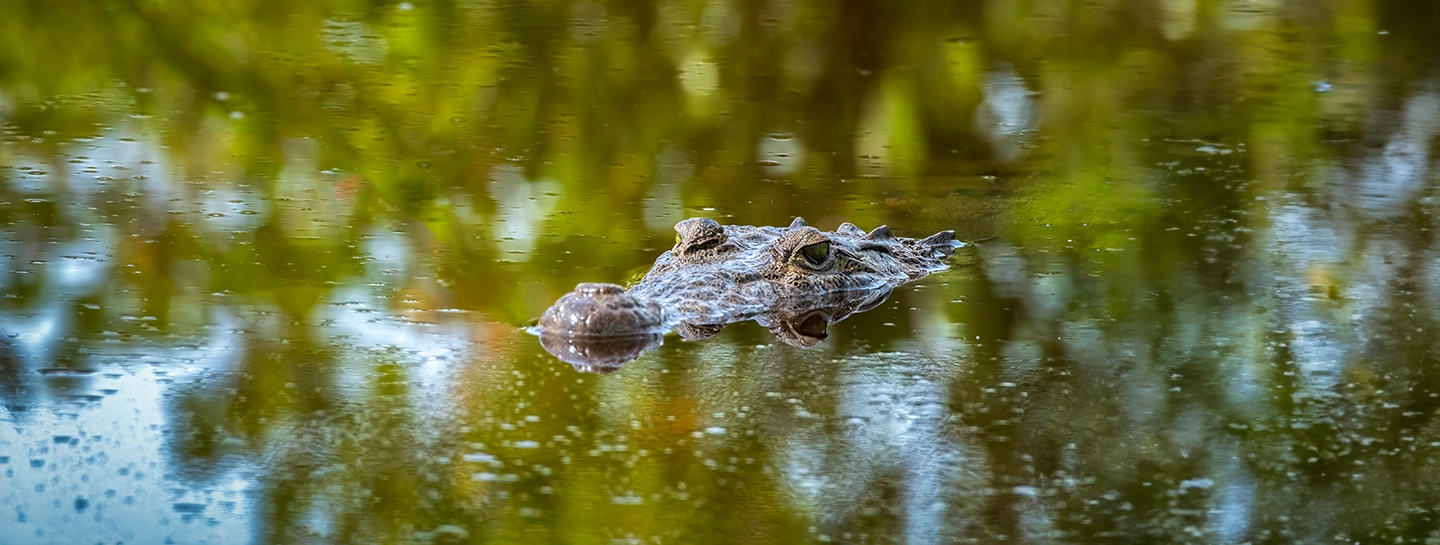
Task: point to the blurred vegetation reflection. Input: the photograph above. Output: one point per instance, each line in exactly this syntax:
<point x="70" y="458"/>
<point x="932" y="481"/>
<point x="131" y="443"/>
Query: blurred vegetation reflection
<point x="265" y="263"/>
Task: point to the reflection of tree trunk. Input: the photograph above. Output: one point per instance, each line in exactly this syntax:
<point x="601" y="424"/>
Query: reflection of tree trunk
<point x="853" y="55"/>
<point x="14" y="393"/>
<point x="977" y="401"/>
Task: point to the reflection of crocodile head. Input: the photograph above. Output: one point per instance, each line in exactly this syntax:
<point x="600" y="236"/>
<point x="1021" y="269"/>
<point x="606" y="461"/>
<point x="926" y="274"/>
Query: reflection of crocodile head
<point x="802" y="321"/>
<point x="795" y="280"/>
<point x="599" y="354"/>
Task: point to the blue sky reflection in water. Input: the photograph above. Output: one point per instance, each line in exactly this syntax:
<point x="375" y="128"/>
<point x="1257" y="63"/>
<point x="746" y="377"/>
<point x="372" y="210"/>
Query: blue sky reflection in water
<point x="263" y="271"/>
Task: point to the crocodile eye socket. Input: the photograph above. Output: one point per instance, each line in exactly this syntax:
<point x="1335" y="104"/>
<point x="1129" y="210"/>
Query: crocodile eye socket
<point x="698" y="234"/>
<point x="816" y="253"/>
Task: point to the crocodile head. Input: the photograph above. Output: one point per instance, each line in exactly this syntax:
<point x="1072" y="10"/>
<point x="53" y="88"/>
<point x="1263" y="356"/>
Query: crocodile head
<point x="719" y="274"/>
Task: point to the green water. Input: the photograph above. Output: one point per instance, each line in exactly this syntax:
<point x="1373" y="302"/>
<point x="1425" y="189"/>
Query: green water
<point x="266" y="267"/>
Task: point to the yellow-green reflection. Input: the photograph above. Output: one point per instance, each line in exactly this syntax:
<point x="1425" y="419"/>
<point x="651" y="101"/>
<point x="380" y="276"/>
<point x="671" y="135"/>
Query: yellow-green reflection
<point x="264" y="265"/>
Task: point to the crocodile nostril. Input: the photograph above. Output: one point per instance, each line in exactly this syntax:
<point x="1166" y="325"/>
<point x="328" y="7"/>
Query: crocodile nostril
<point x="602" y="310"/>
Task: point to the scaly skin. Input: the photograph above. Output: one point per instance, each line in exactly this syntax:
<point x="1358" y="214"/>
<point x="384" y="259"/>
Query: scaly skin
<point x="717" y="275"/>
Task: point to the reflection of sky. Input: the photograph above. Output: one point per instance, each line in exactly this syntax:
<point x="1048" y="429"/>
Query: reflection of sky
<point x="430" y="352"/>
<point x="115" y="157"/>
<point x="88" y="472"/>
<point x="780" y="154"/>
<point x="84" y="460"/>
<point x="1008" y="111"/>
<point x="892" y="416"/>
<point x="1390" y="179"/>
<point x="90" y="465"/>
<point x="523" y="206"/>
<point x="86" y="457"/>
<point x="898" y="409"/>
<point x="94" y="464"/>
<point x="1233" y="503"/>
<point x="91" y="459"/>
<point x="81" y="264"/>
<point x="35" y="333"/>
<point x="65" y="271"/>
<point x="431" y="346"/>
<point x="1308" y="241"/>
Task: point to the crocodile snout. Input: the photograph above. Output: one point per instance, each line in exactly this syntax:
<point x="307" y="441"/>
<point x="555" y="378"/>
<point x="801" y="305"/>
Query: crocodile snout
<point x="602" y="310"/>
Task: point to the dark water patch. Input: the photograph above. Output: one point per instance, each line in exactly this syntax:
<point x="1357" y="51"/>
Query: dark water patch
<point x="62" y="372"/>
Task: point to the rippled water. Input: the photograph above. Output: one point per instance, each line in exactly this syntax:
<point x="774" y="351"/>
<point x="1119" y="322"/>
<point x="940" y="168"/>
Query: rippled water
<point x="266" y="271"/>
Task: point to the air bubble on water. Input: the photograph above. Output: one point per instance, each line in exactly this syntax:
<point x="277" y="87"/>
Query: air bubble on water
<point x="627" y="500"/>
<point x="478" y="457"/>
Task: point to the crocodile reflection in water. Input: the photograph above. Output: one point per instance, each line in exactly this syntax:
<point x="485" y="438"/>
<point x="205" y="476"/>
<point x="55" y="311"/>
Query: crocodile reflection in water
<point x="795" y="280"/>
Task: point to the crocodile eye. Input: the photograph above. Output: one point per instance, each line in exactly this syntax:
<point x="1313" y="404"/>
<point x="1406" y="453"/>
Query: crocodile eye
<point x="816" y="253"/>
<point x="813" y="326"/>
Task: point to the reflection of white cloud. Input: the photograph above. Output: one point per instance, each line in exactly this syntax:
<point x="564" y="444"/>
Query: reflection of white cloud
<point x="1007" y="115"/>
<point x="71" y="270"/>
<point x="122" y="157"/>
<point x="1050" y="294"/>
<point x="100" y="467"/>
<point x="523" y="206"/>
<point x="1230" y="517"/>
<point x="1304" y="239"/>
<point x="429" y="352"/>
<point x="81" y="266"/>
<point x="806" y="472"/>
<point x="1392" y="178"/>
<point x="894" y="416"/>
<point x="699" y="73"/>
<point x="780" y="154"/>
<point x="35" y="335"/>
<point x="228" y="209"/>
<point x="385" y="250"/>
<point x="110" y="476"/>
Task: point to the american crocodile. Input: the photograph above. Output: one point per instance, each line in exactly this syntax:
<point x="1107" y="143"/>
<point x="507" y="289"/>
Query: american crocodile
<point x="794" y="280"/>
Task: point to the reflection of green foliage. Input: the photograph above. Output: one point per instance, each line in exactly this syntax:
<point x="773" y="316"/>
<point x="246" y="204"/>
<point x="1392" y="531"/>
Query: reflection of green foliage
<point x="1133" y="307"/>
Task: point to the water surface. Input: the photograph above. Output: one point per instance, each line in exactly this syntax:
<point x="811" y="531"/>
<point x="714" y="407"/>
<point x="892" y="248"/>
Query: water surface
<point x="266" y="270"/>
